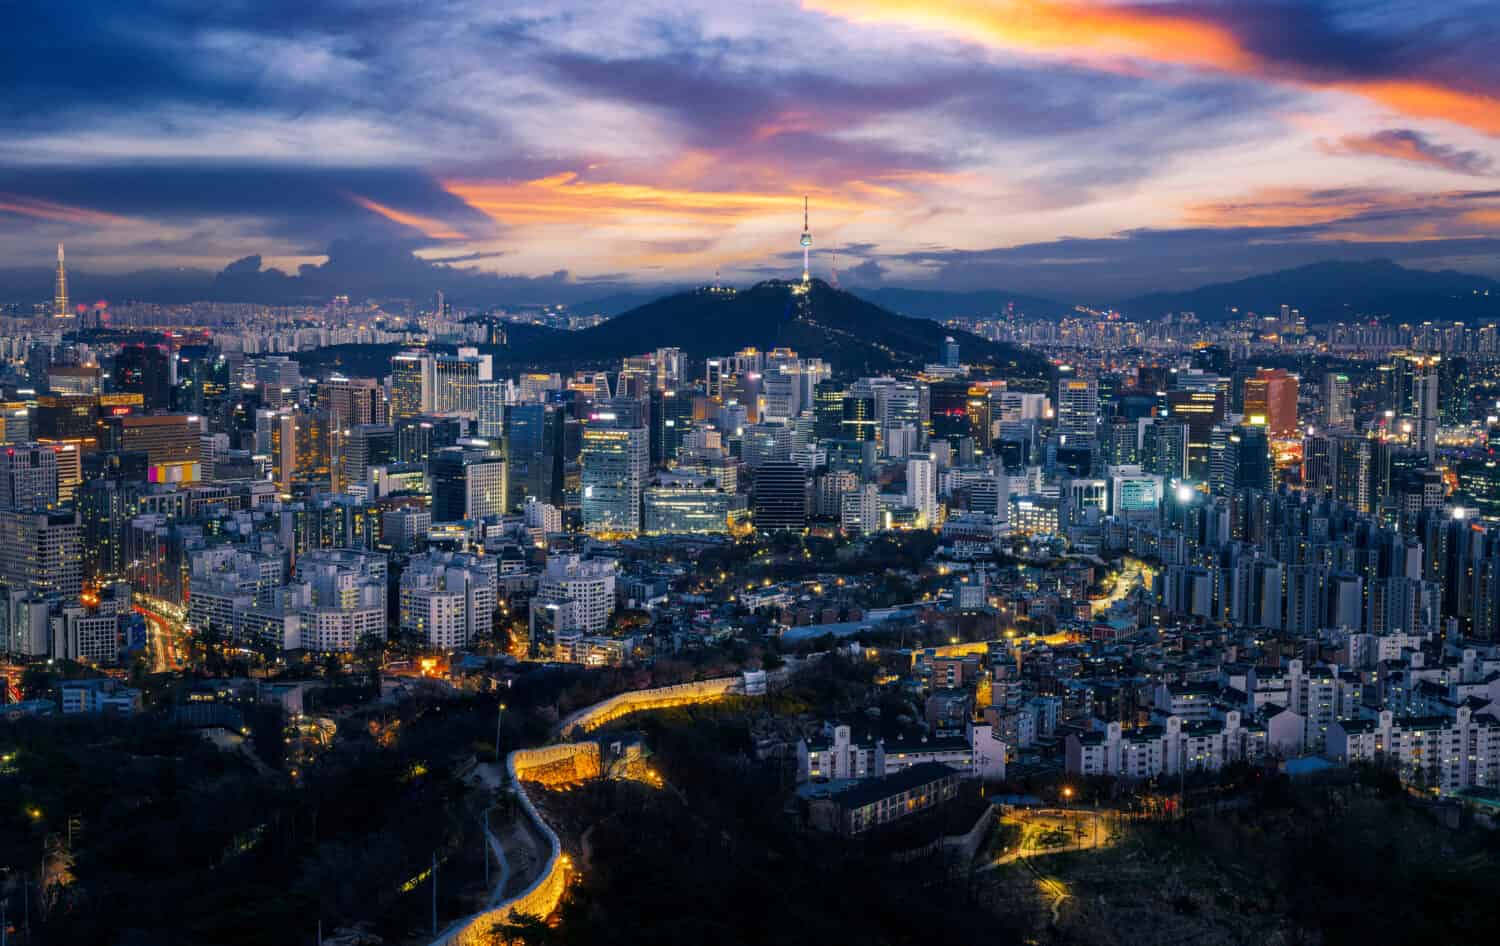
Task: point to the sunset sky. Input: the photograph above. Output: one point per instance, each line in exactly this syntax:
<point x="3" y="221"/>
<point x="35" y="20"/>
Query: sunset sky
<point x="1042" y="146"/>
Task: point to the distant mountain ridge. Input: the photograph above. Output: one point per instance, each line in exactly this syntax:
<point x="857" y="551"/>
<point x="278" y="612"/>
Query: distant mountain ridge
<point x="1336" y="291"/>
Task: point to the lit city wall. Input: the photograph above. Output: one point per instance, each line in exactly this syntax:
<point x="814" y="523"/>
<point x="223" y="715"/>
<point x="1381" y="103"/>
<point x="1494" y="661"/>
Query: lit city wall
<point x="637" y="701"/>
<point x="561" y="764"/>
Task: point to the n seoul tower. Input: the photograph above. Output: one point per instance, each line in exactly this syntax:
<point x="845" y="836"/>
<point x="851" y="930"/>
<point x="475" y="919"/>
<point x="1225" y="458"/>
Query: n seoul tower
<point x="806" y="240"/>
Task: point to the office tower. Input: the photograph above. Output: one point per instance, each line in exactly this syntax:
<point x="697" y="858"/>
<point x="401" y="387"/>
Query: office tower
<point x="411" y="383"/>
<point x="780" y="497"/>
<point x="713" y="377"/>
<point x="73" y="379"/>
<point x="1166" y="448"/>
<point x="164" y="438"/>
<point x="28" y="476"/>
<point x="859" y="422"/>
<point x="671" y="419"/>
<point x="41" y="553"/>
<point x="491" y="423"/>
<point x="828" y="409"/>
<point x="456" y="379"/>
<point x="1424" y="398"/>
<point x="950" y="353"/>
<point x="686" y="505"/>
<point x="1200" y="409"/>
<point x="1077" y="406"/>
<point x="467" y="483"/>
<point x="978" y="409"/>
<point x="1270" y="400"/>
<point x="1317" y="462"/>
<point x="105" y="507"/>
<point x="1252" y="457"/>
<point x="1118" y="438"/>
<point x="420" y="436"/>
<point x="533" y="452"/>
<point x="921" y="490"/>
<point x="365" y="446"/>
<point x="1455" y="392"/>
<point x="60" y="307"/>
<point x="1338" y="412"/>
<point x="145" y="370"/>
<point x="948" y="411"/>
<point x="766" y="443"/>
<point x="1354" y="471"/>
<point x="352" y="401"/>
<point x="671" y="368"/>
<point x="615" y="461"/>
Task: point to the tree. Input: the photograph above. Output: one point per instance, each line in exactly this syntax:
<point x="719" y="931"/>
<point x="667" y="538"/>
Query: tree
<point x="522" y="929"/>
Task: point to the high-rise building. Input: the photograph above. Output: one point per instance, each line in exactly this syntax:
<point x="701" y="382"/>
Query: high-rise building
<point x="1271" y="401"/>
<point x="671" y="419"/>
<point x="1424" y="396"/>
<point x="614" y="464"/>
<point x="467" y="483"/>
<point x="365" y="446"/>
<point x="1077" y="406"/>
<point x="580" y="592"/>
<point x="533" y="452"/>
<point x="921" y="489"/>
<point x="447" y="599"/>
<point x="1166" y="448"/>
<point x="164" y="438"/>
<point x="1338" y="412"/>
<point x="780" y="497"/>
<point x="686" y="505"/>
<point x="147" y="370"/>
<point x="1354" y="471"/>
<point x="828" y="409"/>
<point x="60" y="306"/>
<point x="41" y="553"/>
<point x="1200" y="408"/>
<point x="491" y="424"/>
<point x="28" y="476"/>
<point x="419" y="436"/>
<point x="948" y="407"/>
<point x="411" y="383"/>
<point x="951" y="357"/>
<point x="456" y="379"/>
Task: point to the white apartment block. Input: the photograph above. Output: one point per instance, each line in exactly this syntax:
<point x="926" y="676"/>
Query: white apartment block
<point x="1448" y="753"/>
<point x="1176" y="746"/>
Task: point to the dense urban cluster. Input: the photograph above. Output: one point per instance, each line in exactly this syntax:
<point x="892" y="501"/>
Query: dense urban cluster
<point x="1181" y="555"/>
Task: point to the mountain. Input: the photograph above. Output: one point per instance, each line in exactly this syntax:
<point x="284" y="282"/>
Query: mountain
<point x="934" y="304"/>
<point x="1336" y="291"/>
<point x="839" y="327"/>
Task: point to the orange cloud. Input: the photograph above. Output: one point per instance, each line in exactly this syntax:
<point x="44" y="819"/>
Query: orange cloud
<point x="429" y="226"/>
<point x="1372" y="215"/>
<point x="567" y="198"/>
<point x="49" y="210"/>
<point x="1109" y="37"/>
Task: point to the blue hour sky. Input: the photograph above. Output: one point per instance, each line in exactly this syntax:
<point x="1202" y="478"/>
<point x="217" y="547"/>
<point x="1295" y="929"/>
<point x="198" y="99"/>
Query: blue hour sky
<point x="1047" y="146"/>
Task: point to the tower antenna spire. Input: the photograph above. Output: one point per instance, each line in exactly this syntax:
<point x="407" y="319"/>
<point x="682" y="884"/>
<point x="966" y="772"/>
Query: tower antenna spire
<point x="834" y="269"/>
<point x="806" y="241"/>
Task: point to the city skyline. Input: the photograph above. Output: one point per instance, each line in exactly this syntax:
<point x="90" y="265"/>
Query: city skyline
<point x="1106" y="148"/>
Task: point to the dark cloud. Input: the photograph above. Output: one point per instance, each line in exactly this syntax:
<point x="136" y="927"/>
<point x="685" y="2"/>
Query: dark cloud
<point x="866" y="273"/>
<point x="1405" y="144"/>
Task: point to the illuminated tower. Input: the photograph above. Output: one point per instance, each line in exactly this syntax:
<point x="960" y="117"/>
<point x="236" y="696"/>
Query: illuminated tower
<point x="60" y="290"/>
<point x="806" y="241"/>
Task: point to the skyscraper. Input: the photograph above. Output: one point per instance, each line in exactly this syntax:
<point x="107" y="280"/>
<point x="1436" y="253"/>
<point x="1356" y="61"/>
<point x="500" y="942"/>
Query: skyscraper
<point x="1271" y="400"/>
<point x="467" y="483"/>
<point x="615" y="461"/>
<point x="28" y="477"/>
<point x="921" y="489"/>
<point x="411" y="383"/>
<point x="1337" y="412"/>
<point x="60" y="308"/>
<point x="1424" y="398"/>
<point x="534" y="454"/>
<point x="780" y="497"/>
<point x="145" y="370"/>
<point x="1077" y="406"/>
